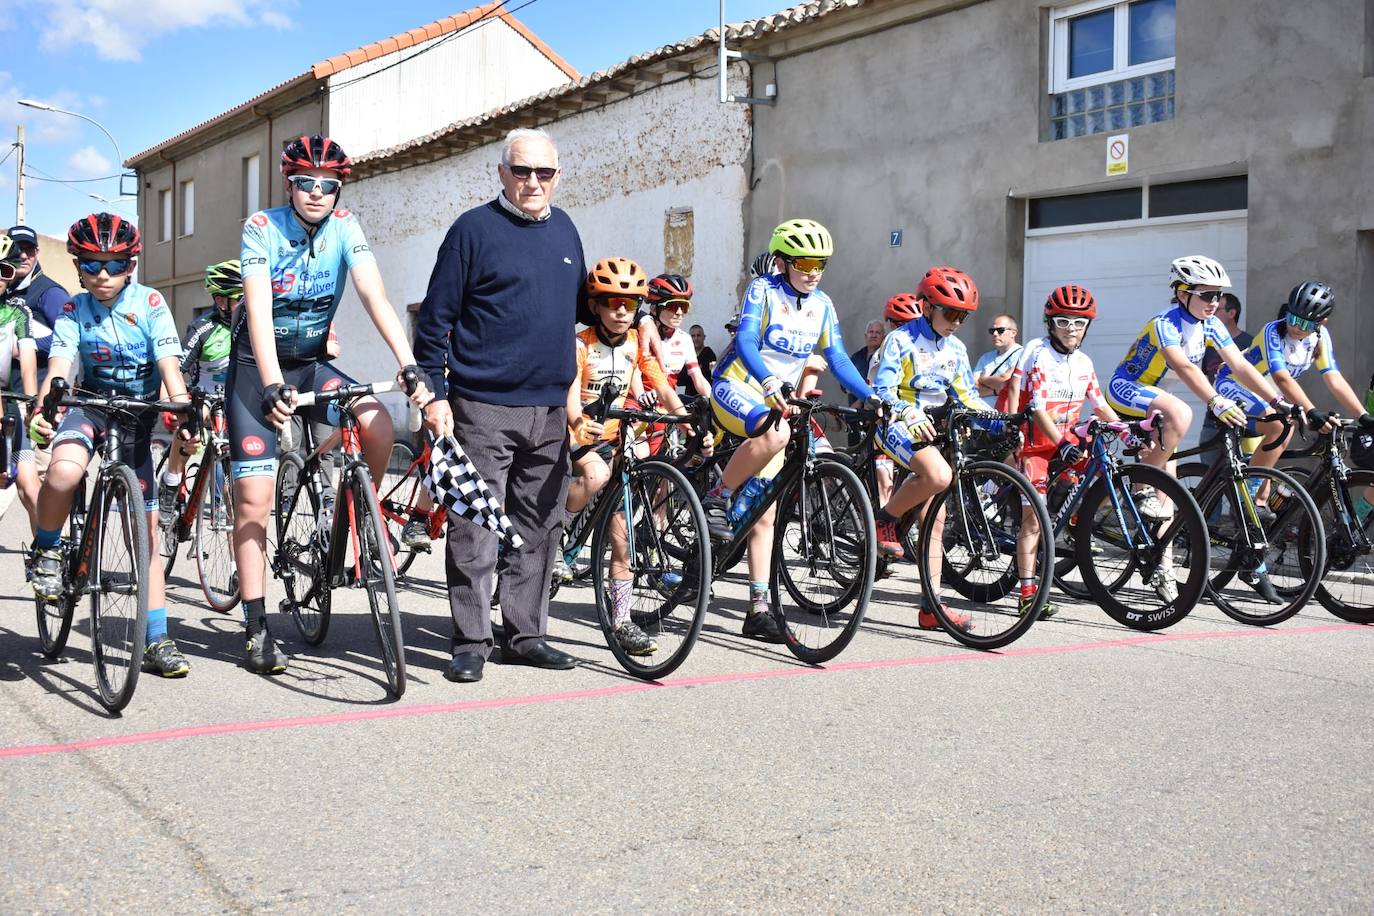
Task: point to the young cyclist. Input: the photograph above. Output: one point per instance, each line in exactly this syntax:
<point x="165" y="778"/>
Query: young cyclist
<point x="296" y="261"/>
<point x="922" y="365"/>
<point x="204" y="363"/>
<point x="899" y="310"/>
<point x="19" y="374"/>
<point x="670" y="299"/>
<point x="609" y="354"/>
<point x="1283" y="351"/>
<point x="784" y="318"/>
<point x="1056" y="378"/>
<point x="125" y="339"/>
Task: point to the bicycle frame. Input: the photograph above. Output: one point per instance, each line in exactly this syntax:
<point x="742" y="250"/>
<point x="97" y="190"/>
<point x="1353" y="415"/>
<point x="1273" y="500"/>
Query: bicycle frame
<point x="1333" y="473"/>
<point x="213" y="443"/>
<point x="343" y="523"/>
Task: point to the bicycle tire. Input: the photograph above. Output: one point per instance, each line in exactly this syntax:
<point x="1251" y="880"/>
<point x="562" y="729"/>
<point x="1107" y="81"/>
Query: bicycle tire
<point x="1345" y="564"/>
<point x="118" y="634"/>
<point x="213" y="538"/>
<point x="398" y="491"/>
<point x="376" y="565"/>
<point x="825" y="507"/>
<point x="671" y="614"/>
<point x="299" y="560"/>
<point x="1221" y="510"/>
<point x="994" y="603"/>
<point x="1185" y="533"/>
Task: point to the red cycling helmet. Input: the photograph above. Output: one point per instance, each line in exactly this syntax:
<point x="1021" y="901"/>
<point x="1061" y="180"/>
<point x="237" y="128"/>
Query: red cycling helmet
<point x="1071" y="300"/>
<point x="669" y="286"/>
<point x="315" y="152"/>
<point x="103" y="233"/>
<point x="950" y="288"/>
<point x="902" y="307"/>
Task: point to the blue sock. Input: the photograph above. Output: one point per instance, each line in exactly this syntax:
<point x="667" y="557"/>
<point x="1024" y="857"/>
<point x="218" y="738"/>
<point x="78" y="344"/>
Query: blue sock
<point x="45" y="538"/>
<point x="157" y="625"/>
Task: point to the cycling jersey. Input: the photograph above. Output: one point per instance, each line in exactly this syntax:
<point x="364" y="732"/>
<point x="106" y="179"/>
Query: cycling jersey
<point x="118" y="346"/>
<point x="1058" y="383"/>
<point x="16" y="334"/>
<point x="1134" y="384"/>
<point x="207" y="351"/>
<point x="677" y="354"/>
<point x="600" y="362"/>
<point x="308" y="277"/>
<point x="1275" y="351"/>
<point x="918" y="366"/>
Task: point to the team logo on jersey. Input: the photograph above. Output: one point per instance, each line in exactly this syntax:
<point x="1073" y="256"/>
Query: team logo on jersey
<point x="252" y="445"/>
<point x="259" y="220"/>
<point x="331" y="384"/>
<point x="154" y="300"/>
<point x="69" y="307"/>
<point x="341" y="214"/>
<point x="131" y="318"/>
<point x="924" y="359"/>
<point x="284" y="283"/>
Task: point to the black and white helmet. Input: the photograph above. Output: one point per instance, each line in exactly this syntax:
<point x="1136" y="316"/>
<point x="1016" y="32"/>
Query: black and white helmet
<point x="1198" y="270"/>
<point x="1312" y="300"/>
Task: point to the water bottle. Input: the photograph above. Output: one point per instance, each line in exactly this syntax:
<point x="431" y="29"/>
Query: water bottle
<point x="749" y="496"/>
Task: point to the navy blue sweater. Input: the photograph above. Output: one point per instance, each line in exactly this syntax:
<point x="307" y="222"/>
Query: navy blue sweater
<point x="500" y="312"/>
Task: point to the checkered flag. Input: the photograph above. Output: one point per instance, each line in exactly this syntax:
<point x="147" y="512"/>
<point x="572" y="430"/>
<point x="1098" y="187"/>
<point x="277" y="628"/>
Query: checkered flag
<point x="453" y="480"/>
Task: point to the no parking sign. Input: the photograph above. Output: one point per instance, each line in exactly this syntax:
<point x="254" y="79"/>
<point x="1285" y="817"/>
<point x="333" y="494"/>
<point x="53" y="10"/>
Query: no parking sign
<point x="1118" y="154"/>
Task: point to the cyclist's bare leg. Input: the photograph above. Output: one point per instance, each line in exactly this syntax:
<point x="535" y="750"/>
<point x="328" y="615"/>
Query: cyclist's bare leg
<point x="68" y="466"/>
<point x="754" y="455"/>
<point x="761" y="546"/>
<point x="883" y="471"/>
<point x="589" y="476"/>
<point x="1177" y="417"/>
<point x="157" y="582"/>
<point x="1027" y="540"/>
<point x="26" y="480"/>
<point x="252" y="504"/>
<point x="930" y="474"/>
<point x="1272" y="432"/>
<point x="377" y="433"/>
<point x="937" y="549"/>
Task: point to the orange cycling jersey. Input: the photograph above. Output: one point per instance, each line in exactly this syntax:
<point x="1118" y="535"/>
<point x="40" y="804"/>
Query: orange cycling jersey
<point x="599" y="362"/>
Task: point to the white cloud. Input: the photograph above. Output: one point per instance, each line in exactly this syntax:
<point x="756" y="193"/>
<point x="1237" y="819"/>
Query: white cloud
<point x="118" y="30"/>
<point x="43" y="126"/>
<point x="87" y="162"/>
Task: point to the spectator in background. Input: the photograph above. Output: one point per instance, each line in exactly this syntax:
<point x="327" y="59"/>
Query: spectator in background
<point x="35" y="289"/>
<point x="1229" y="313"/>
<point x="706" y="358"/>
<point x="992" y="372"/>
<point x="873" y="342"/>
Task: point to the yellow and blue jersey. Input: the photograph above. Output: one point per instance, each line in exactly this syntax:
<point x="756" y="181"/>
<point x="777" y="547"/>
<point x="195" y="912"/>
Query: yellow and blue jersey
<point x="1174" y="327"/>
<point x="918" y="366"/>
<point x="1274" y="350"/>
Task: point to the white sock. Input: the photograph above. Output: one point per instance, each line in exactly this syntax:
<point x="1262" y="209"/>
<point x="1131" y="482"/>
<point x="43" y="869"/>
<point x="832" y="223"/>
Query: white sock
<point x="170" y="479"/>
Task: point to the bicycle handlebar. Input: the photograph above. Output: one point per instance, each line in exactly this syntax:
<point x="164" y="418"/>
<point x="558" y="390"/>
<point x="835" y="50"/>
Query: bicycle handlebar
<point x="1093" y="427"/>
<point x="61" y="394"/>
<point x="345" y="392"/>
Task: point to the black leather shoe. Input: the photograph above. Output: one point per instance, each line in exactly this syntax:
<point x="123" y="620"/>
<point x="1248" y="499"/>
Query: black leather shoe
<point x="538" y="654"/>
<point x="465" y="668"/>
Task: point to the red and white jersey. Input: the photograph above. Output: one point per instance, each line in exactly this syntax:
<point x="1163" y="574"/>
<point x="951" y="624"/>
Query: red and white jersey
<point x="678" y="354"/>
<point x="1059" y="383"/>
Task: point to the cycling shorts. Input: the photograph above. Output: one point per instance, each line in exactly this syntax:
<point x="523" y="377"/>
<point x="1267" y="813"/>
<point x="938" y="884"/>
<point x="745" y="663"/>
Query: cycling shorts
<point x="88" y="428"/>
<point x="21" y="447"/>
<point x="899" y="442"/>
<point x="252" y="439"/>
<point x="604" y="448"/>
<point x="738" y="405"/>
<point x="1130" y="398"/>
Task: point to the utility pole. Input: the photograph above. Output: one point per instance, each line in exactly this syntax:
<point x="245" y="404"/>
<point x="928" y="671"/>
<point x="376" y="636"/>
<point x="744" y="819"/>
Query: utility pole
<point x="19" y="177"/>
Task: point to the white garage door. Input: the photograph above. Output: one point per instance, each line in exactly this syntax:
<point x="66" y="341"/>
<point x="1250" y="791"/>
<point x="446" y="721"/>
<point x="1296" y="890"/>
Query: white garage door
<point x="1127" y="271"/>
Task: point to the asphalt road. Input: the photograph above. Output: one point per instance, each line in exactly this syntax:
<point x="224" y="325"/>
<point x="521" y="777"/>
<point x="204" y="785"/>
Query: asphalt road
<point x="1087" y="767"/>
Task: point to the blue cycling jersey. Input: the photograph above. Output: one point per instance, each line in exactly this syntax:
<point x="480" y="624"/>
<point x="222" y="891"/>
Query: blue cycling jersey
<point x="308" y="277"/>
<point x="118" y="345"/>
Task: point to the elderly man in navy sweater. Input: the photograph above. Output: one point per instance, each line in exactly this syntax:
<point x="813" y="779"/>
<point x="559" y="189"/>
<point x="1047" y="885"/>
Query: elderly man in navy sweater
<point x="496" y="336"/>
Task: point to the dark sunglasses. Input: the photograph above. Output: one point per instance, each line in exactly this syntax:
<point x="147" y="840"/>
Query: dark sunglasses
<point x="808" y="265"/>
<point x="522" y="172"/>
<point x="1212" y="295"/>
<point x="993" y="332"/>
<point x="619" y="303"/>
<point x="677" y="305"/>
<point x="307" y="184"/>
<point x="114" y="268"/>
<point x="954" y="316"/>
<point x="1304" y="324"/>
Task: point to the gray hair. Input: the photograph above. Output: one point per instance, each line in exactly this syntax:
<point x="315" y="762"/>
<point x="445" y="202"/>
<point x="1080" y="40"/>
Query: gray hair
<point x="525" y="133"/>
<point x="872" y="323"/>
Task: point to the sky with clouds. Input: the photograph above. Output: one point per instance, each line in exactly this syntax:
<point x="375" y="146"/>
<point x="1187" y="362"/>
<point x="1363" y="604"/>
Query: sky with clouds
<point x="149" y="69"/>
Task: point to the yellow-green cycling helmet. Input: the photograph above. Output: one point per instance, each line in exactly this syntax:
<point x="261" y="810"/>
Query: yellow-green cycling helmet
<point x="224" y="279"/>
<point x="802" y="238"/>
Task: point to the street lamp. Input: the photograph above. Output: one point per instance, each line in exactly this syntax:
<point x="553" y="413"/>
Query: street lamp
<point x="44" y="106"/>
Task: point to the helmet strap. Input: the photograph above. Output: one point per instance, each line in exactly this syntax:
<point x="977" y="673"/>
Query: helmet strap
<point x="605" y="337"/>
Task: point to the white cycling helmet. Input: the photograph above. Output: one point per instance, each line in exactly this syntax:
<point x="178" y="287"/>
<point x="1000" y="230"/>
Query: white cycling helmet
<point x="1198" y="270"/>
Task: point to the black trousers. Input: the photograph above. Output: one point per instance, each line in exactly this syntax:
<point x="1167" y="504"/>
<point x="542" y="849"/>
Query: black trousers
<point x="522" y="453"/>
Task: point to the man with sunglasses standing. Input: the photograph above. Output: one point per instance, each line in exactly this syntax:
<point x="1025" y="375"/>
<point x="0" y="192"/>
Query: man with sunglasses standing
<point x="495" y="336"/>
<point x="43" y="295"/>
<point x="992" y="373"/>
<point x="19" y="375"/>
<point x="1178" y="338"/>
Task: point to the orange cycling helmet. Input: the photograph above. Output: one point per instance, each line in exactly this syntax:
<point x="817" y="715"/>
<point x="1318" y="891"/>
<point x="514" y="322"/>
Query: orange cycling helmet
<point x="949" y="287"/>
<point x="1071" y="300"/>
<point x="617" y="277"/>
<point x="901" y="307"/>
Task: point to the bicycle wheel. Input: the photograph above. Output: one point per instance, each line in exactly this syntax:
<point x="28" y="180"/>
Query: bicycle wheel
<point x="300" y="557"/>
<point x="55" y="617"/>
<point x="399" y="490"/>
<point x="374" y="571"/>
<point x="119" y="600"/>
<point x="1236" y="552"/>
<point x="651" y="557"/>
<point x="1131" y="565"/>
<point x="1346" y="588"/>
<point x="213" y="539"/>
<point x="977" y="523"/>
<point x="825" y="556"/>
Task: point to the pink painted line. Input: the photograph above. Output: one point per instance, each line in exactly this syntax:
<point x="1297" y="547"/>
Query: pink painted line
<point x="363" y="715"/>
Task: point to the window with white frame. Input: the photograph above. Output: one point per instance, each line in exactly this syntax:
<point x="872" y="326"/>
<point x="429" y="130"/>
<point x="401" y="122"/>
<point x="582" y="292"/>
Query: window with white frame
<point x="1100" y="41"/>
<point x="251" y="186"/>
<point x="188" y="208"/>
<point x="164" y="209"/>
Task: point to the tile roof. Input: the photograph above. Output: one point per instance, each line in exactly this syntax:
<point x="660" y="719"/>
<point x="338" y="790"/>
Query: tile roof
<point x="340" y="62"/>
<point x="751" y="29"/>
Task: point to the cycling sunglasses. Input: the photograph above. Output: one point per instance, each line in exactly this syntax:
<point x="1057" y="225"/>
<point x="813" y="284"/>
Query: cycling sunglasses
<point x="619" y="303"/>
<point x="954" y="316"/>
<point x="523" y="172"/>
<point x="677" y="305"/>
<point x="1303" y="324"/>
<point x="8" y="271"/>
<point x="808" y="265"/>
<point x="993" y="332"/>
<point x="1211" y="295"/>
<point x="307" y="184"/>
<point x="1069" y="324"/>
<point x="114" y="268"/>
